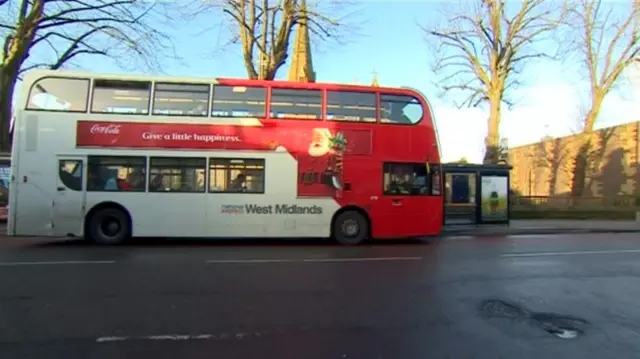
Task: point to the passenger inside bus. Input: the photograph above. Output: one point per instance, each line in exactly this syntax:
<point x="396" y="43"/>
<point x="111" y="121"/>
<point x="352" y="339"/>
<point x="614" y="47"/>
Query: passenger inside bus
<point x="124" y="184"/>
<point x="135" y="181"/>
<point x="131" y="182"/>
<point x="156" y="183"/>
<point x="107" y="179"/>
<point x="238" y="184"/>
<point x="400" y="182"/>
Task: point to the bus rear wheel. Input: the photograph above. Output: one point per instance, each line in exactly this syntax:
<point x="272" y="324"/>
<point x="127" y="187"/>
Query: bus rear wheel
<point x="350" y="228"/>
<point x="109" y="226"/>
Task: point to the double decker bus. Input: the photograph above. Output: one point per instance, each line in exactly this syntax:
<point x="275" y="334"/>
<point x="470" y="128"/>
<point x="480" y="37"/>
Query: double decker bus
<point x="109" y="157"/>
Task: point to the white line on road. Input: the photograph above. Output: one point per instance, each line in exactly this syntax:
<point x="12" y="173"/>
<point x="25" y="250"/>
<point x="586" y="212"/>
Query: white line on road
<point x="15" y="264"/>
<point x="576" y="253"/>
<point x="111" y="339"/>
<point x="311" y="260"/>
<point x="182" y="337"/>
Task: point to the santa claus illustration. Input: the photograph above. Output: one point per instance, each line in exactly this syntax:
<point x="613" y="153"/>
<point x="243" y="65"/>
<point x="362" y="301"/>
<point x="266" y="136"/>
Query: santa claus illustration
<point x="324" y="143"/>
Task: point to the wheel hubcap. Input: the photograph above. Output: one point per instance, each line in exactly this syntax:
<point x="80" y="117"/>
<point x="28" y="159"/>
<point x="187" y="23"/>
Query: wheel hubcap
<point x="110" y="227"/>
<point x="350" y="228"/>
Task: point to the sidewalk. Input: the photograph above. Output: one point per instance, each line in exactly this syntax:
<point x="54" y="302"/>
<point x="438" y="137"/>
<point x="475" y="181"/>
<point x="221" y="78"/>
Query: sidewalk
<point x="542" y="227"/>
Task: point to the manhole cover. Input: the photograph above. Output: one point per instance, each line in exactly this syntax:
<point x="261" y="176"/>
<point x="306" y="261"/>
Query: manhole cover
<point x="561" y="326"/>
<point x="565" y="333"/>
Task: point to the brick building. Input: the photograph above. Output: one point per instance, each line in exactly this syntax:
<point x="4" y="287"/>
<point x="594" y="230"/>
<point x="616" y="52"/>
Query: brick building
<point x="548" y="168"/>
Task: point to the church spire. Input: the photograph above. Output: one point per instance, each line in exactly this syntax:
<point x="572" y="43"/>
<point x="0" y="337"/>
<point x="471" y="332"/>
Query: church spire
<point x="374" y="82"/>
<point x="301" y="69"/>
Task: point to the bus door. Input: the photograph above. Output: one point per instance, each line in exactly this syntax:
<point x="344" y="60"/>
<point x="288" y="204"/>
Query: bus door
<point x="69" y="197"/>
<point x="398" y="204"/>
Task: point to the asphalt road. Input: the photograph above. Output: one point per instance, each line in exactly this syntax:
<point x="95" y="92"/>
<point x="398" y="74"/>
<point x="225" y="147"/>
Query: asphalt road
<point x="519" y="297"/>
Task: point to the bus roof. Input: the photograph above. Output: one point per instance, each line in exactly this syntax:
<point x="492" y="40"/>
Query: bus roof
<point x="36" y="74"/>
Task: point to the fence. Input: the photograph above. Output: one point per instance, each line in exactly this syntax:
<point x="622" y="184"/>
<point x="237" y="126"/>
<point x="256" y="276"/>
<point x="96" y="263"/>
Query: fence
<point x="624" y="203"/>
<point x="610" y="208"/>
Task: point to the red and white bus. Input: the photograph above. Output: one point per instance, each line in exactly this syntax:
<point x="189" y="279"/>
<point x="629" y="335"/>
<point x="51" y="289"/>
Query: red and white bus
<point x="108" y="157"/>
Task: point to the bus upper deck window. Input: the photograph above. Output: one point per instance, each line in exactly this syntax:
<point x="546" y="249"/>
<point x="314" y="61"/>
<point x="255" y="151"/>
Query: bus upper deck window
<point x="400" y="109"/>
<point x="59" y="94"/>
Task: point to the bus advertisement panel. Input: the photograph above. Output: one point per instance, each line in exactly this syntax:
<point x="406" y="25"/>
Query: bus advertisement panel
<point x="109" y="157"/>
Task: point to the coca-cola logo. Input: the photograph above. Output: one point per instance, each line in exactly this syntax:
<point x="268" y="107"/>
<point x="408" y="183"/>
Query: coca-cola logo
<point x="105" y="129"/>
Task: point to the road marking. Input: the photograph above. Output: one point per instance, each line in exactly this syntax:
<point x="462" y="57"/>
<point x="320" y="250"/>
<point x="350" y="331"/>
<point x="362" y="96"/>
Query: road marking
<point x="111" y="339"/>
<point x="15" y="264"/>
<point x="311" y="260"/>
<point x="182" y="337"/>
<point x="576" y="253"/>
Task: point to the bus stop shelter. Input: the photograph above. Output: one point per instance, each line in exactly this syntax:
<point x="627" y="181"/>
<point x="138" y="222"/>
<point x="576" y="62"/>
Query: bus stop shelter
<point x="476" y="194"/>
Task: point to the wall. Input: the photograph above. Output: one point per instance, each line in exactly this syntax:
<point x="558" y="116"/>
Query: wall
<point x="553" y="167"/>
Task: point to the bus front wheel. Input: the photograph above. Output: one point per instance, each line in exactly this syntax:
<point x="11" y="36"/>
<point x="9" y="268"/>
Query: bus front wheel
<point x="109" y="226"/>
<point x="350" y="228"/>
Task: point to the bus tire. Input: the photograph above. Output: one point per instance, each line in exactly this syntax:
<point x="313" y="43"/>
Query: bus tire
<point x="350" y="228"/>
<point x="109" y="226"/>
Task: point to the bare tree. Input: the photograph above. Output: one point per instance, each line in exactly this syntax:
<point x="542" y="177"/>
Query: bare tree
<point x="607" y="47"/>
<point x="264" y="28"/>
<point x="479" y="53"/>
<point x="52" y="33"/>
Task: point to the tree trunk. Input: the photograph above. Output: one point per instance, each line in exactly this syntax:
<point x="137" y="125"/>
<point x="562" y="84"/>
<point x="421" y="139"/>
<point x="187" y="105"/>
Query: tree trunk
<point x="251" y="71"/>
<point x="492" y="142"/>
<point x="8" y="81"/>
<point x="15" y="51"/>
<point x="590" y="120"/>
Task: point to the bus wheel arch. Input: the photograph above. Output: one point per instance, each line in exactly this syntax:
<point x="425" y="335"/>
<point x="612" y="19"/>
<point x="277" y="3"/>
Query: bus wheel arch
<point x="351" y="215"/>
<point x="108" y="223"/>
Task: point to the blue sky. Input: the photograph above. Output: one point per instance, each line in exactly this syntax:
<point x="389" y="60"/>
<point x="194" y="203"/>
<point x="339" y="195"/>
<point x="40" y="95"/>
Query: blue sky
<point x="389" y="41"/>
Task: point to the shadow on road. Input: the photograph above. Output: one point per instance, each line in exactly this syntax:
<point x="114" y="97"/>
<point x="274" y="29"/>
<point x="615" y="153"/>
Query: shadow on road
<point x="44" y="242"/>
<point x="218" y="242"/>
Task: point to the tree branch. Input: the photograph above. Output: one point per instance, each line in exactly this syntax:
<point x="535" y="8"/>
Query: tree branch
<point x="74" y="49"/>
<point x="604" y="62"/>
<point x="64" y="14"/>
<point x="264" y="29"/>
<point x="52" y="33"/>
<point x="478" y="53"/>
